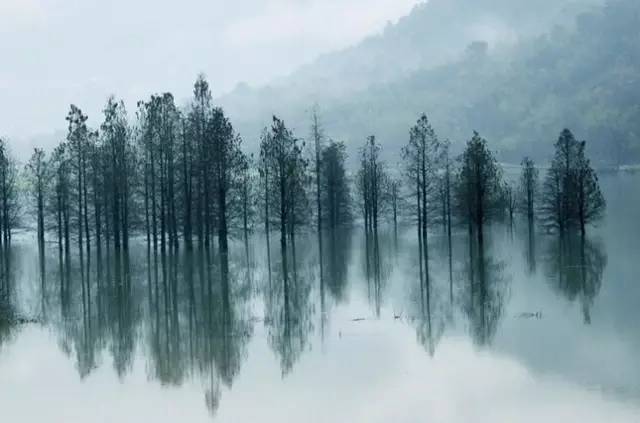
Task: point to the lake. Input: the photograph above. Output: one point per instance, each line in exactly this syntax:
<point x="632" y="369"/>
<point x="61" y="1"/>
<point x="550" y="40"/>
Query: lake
<point x="531" y="329"/>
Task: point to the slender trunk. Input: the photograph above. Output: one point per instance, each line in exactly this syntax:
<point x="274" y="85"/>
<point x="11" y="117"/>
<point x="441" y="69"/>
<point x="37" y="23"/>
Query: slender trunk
<point x="97" y="212"/>
<point x="420" y="239"/>
<point x="125" y="198"/>
<point x="67" y="230"/>
<point x="395" y="218"/>
<point x="80" y="217"/>
<point x="172" y="204"/>
<point x="283" y="231"/>
<point x="245" y="215"/>
<point x="163" y="201"/>
<point x="222" y="220"/>
<point x="115" y="206"/>
<point x="85" y="205"/>
<point x="207" y="207"/>
<point x="186" y="175"/>
<point x="316" y="133"/>
<point x="147" y="222"/>
<point x="59" y="225"/>
<point x="425" y="239"/>
<point x="154" y="205"/>
<point x="5" y="202"/>
<point x="41" y="243"/>
<point x="266" y="221"/>
<point x="449" y="243"/>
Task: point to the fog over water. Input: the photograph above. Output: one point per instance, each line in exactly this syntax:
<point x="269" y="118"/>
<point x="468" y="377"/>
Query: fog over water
<point x="319" y="211"/>
<point x="545" y="333"/>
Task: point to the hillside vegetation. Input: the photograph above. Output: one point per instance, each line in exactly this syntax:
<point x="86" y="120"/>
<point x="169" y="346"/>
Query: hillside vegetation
<point x="582" y="73"/>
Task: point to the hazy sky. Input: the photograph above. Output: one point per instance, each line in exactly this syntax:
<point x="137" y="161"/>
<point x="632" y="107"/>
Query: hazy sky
<point x="57" y="52"/>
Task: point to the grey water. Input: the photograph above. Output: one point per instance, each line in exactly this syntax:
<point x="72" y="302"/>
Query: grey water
<point x="530" y="329"/>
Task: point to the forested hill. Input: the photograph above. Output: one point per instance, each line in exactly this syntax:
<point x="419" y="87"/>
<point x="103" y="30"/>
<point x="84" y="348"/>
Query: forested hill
<point x="584" y="75"/>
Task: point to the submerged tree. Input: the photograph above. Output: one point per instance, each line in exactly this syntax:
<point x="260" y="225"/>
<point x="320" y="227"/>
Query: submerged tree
<point x="528" y="190"/>
<point x="510" y="201"/>
<point x="160" y="129"/>
<point x="423" y="159"/>
<point x="59" y="201"/>
<point x="285" y="173"/>
<point x="446" y="194"/>
<point x="78" y="142"/>
<point x="247" y="197"/>
<point x="264" y="169"/>
<point x="571" y="196"/>
<point x="334" y="185"/>
<point x="115" y="165"/>
<point x="9" y="201"/>
<point x="590" y="202"/>
<point x="478" y="189"/>
<point x="318" y="137"/>
<point x="371" y="181"/>
<point x="395" y="202"/>
<point x="38" y="177"/>
<point x="229" y="177"/>
<point x="200" y="162"/>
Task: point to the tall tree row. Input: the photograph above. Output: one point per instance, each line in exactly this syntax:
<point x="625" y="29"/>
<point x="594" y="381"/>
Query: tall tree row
<point x="180" y="177"/>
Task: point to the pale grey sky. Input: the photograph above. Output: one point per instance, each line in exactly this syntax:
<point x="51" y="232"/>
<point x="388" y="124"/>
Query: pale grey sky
<point x="57" y="52"/>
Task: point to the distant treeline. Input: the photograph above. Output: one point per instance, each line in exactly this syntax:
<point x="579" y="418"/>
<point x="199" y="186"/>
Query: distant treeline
<point x="582" y="74"/>
<point x="181" y="179"/>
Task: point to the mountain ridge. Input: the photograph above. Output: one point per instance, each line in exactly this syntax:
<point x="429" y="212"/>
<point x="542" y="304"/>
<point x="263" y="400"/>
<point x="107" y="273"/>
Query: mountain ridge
<point x="359" y="112"/>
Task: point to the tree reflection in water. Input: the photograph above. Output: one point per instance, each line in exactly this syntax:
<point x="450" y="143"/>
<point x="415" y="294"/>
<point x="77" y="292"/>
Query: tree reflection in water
<point x="289" y="309"/>
<point x="192" y="318"/>
<point x="487" y="291"/>
<point x="575" y="266"/>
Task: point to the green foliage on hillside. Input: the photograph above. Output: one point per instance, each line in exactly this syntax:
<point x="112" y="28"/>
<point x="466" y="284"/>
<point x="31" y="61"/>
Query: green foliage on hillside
<point x="584" y="75"/>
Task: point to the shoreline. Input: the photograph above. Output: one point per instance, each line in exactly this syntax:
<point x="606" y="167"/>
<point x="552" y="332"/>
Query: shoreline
<point x="631" y="168"/>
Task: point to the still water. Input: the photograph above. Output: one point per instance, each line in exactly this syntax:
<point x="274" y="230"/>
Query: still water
<point x="528" y="330"/>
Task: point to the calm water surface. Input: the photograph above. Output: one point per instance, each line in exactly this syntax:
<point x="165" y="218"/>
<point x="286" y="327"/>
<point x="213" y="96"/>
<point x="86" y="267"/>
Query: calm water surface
<point x="528" y="330"/>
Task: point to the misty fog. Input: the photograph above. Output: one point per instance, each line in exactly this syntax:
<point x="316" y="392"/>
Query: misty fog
<point x="319" y="211"/>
